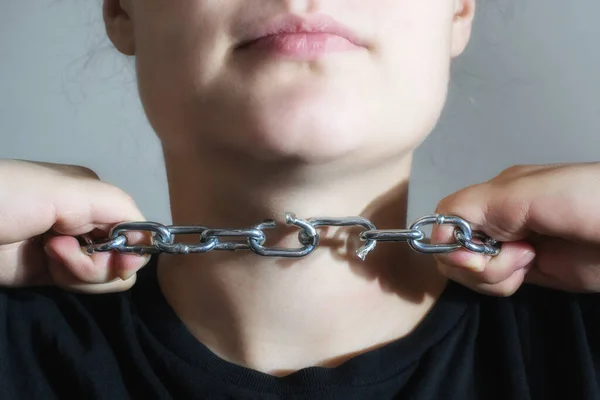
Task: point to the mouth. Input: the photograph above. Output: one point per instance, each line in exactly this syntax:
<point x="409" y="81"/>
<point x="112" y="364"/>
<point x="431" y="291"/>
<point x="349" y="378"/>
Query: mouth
<point x="298" y="38"/>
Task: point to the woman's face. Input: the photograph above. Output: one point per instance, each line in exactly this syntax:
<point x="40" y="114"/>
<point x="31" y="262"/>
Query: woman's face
<point x="370" y="85"/>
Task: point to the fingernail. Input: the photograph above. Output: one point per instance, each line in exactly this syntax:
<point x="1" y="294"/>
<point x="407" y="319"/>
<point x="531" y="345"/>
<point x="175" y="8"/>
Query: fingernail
<point x="526" y="261"/>
<point x="125" y="275"/>
<point x="526" y="258"/>
<point x="475" y="263"/>
<point x="51" y="253"/>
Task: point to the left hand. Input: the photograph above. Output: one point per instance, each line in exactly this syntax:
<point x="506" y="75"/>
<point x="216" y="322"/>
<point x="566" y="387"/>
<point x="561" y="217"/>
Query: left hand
<point x="548" y="218"/>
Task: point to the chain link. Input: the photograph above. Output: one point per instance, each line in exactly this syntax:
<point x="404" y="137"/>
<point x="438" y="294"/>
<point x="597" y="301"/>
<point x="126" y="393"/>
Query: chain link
<point x="254" y="238"/>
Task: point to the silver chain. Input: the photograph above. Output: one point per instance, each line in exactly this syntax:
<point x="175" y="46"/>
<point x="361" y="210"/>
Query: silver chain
<point x="163" y="237"/>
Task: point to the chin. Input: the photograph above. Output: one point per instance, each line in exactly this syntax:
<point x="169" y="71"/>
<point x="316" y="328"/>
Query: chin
<point x="333" y="129"/>
<point x="312" y="131"/>
<point x="315" y="120"/>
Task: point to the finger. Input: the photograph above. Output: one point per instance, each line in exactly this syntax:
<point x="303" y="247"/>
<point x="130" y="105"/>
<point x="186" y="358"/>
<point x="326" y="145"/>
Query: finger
<point x="549" y="200"/>
<point x="107" y="206"/>
<point x="504" y="288"/>
<point x="567" y="265"/>
<point x="62" y="278"/>
<point x="512" y="256"/>
<point x="66" y="199"/>
<point x="481" y="207"/>
<point x="537" y="277"/>
<point x="96" y="268"/>
<point x="477" y="271"/>
<point x="22" y="263"/>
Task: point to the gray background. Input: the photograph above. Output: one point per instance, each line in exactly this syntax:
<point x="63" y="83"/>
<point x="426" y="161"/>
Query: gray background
<point x="526" y="91"/>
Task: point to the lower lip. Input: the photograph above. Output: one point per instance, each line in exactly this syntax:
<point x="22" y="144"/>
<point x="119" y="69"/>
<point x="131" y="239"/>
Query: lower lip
<point x="302" y="46"/>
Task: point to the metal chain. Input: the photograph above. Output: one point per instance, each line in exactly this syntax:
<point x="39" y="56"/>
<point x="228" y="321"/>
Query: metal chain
<point x="163" y="237"/>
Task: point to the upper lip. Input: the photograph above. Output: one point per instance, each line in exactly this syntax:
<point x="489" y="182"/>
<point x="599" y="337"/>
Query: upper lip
<point x="290" y="24"/>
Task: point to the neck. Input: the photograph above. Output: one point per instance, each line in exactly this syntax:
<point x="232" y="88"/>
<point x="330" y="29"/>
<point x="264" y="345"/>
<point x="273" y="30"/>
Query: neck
<point x="278" y="315"/>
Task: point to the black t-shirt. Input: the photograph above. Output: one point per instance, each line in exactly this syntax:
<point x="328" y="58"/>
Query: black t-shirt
<point x="536" y="344"/>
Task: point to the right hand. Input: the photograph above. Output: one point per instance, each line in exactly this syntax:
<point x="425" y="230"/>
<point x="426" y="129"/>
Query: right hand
<point x="42" y="207"/>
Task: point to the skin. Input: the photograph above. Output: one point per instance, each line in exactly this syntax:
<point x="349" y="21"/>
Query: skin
<point x="547" y="215"/>
<point x="247" y="138"/>
<point x="333" y="136"/>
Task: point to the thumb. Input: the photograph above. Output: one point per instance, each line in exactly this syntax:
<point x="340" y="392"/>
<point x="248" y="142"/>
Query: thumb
<point x="501" y="275"/>
<point x="95" y="268"/>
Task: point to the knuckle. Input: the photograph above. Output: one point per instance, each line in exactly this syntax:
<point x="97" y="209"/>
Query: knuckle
<point x="127" y="198"/>
<point x="464" y="202"/>
<point x="82" y="171"/>
<point x="121" y="195"/>
<point x="508" y="216"/>
<point x="88" y="172"/>
<point x="447" y="203"/>
<point x="521" y="171"/>
<point x="514" y="169"/>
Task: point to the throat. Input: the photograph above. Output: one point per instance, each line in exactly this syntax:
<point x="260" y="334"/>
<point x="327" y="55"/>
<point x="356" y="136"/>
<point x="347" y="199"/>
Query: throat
<point x="278" y="318"/>
<point x="279" y="315"/>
